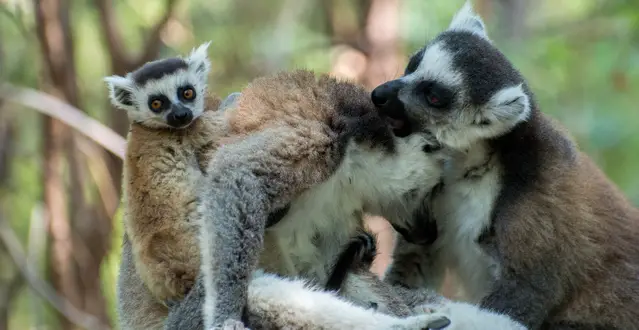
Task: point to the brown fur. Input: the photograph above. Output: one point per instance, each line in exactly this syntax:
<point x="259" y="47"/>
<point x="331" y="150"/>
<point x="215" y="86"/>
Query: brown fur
<point x="297" y="111"/>
<point x="574" y="219"/>
<point x="162" y="168"/>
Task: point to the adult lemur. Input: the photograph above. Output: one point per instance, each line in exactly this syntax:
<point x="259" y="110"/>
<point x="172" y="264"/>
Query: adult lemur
<point x="532" y="226"/>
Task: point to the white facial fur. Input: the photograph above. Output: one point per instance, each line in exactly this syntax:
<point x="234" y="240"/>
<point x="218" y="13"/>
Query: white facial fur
<point x="464" y="123"/>
<point x="196" y="75"/>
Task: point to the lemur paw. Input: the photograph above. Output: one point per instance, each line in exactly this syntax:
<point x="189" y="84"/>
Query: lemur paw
<point x="368" y="244"/>
<point x="426" y="322"/>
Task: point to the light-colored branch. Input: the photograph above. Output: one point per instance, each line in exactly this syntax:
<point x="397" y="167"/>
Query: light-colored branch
<point x="15" y="251"/>
<point x="67" y="114"/>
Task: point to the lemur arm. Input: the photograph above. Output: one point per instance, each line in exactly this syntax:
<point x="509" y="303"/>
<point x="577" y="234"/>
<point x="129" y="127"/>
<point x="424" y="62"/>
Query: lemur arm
<point x="247" y="180"/>
<point x="358" y="254"/>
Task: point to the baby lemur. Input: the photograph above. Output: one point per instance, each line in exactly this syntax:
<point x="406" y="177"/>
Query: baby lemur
<point x="530" y="224"/>
<point x="175" y="128"/>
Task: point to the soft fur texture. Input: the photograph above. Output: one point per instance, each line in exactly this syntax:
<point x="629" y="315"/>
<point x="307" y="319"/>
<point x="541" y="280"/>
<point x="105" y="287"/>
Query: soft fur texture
<point x="163" y="166"/>
<point x="280" y="303"/>
<point x="319" y="145"/>
<point x="530" y="224"/>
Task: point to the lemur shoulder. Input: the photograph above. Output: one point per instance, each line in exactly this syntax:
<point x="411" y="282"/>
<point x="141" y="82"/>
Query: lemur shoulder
<point x="531" y="225"/>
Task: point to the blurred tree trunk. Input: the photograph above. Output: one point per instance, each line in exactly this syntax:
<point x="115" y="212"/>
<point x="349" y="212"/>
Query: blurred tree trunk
<point x="80" y="238"/>
<point x="513" y="19"/>
<point x="123" y="61"/>
<point x="9" y="289"/>
<point x="10" y="278"/>
<point x="385" y="61"/>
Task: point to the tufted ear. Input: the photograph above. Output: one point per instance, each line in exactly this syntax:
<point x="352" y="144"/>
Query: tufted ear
<point x="121" y="92"/>
<point x="198" y="61"/>
<point x="467" y="20"/>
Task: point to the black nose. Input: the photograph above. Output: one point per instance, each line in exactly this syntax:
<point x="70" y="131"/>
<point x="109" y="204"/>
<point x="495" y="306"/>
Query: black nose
<point x="386" y="92"/>
<point x="179" y="116"/>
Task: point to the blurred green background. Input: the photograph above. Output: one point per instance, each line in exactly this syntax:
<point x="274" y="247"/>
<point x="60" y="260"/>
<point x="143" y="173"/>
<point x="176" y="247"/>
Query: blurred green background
<point x="59" y="191"/>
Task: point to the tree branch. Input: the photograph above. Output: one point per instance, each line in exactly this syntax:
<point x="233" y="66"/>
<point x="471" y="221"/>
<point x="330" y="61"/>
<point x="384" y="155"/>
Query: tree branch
<point x="152" y="44"/>
<point x="67" y="114"/>
<point x="110" y="32"/>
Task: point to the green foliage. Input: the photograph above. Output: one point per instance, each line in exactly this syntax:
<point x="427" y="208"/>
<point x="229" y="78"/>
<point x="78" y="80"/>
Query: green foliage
<point x="581" y="58"/>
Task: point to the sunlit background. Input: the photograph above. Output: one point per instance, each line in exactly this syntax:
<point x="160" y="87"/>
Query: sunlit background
<point x="59" y="190"/>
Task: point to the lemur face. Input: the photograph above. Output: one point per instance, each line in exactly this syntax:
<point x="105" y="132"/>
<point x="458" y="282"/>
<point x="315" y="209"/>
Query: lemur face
<point x="167" y="93"/>
<point x="459" y="86"/>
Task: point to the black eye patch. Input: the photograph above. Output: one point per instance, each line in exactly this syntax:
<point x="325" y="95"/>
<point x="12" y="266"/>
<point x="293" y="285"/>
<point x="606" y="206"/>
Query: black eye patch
<point x="435" y="94"/>
<point x="158" y="103"/>
<point x="186" y="93"/>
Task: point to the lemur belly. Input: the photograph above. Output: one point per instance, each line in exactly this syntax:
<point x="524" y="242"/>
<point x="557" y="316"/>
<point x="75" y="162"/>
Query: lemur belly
<point x="318" y="224"/>
<point x="463" y="211"/>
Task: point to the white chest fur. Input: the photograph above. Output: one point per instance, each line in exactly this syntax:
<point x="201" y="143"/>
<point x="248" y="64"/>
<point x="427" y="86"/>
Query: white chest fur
<point x="322" y="220"/>
<point x="463" y="212"/>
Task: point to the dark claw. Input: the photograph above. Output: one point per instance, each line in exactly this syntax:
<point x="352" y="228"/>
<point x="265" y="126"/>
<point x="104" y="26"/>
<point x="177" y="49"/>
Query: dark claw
<point x="439" y="324"/>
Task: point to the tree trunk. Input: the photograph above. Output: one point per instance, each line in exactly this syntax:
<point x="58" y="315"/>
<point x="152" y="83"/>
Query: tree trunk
<point x="385" y="62"/>
<point x="73" y="275"/>
<point x="123" y="61"/>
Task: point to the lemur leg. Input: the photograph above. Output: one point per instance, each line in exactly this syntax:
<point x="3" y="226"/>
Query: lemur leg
<point x="247" y="180"/>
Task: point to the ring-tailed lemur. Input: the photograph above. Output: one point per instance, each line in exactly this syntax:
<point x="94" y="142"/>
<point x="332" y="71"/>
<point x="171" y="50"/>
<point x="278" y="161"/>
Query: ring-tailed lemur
<point x="175" y="128"/>
<point x="377" y="173"/>
<point x="173" y="137"/>
<point x="287" y="132"/>
<point x="530" y="224"/>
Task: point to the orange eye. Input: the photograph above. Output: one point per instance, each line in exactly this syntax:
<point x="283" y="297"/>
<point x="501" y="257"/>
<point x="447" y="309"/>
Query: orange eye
<point x="188" y="93"/>
<point x="156" y="104"/>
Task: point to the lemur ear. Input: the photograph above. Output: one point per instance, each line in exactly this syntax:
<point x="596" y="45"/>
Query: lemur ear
<point x="121" y="92"/>
<point x="506" y="108"/>
<point x="198" y="61"/>
<point x="467" y="20"/>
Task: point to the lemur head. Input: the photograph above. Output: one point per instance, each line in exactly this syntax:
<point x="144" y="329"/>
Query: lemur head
<point x="459" y="86"/>
<point x="167" y="93"/>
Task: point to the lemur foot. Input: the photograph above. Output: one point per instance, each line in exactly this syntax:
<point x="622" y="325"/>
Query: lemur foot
<point x="434" y="321"/>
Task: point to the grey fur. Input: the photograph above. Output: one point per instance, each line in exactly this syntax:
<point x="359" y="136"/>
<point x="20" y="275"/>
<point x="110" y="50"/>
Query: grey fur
<point x="280" y="312"/>
<point x="524" y="218"/>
